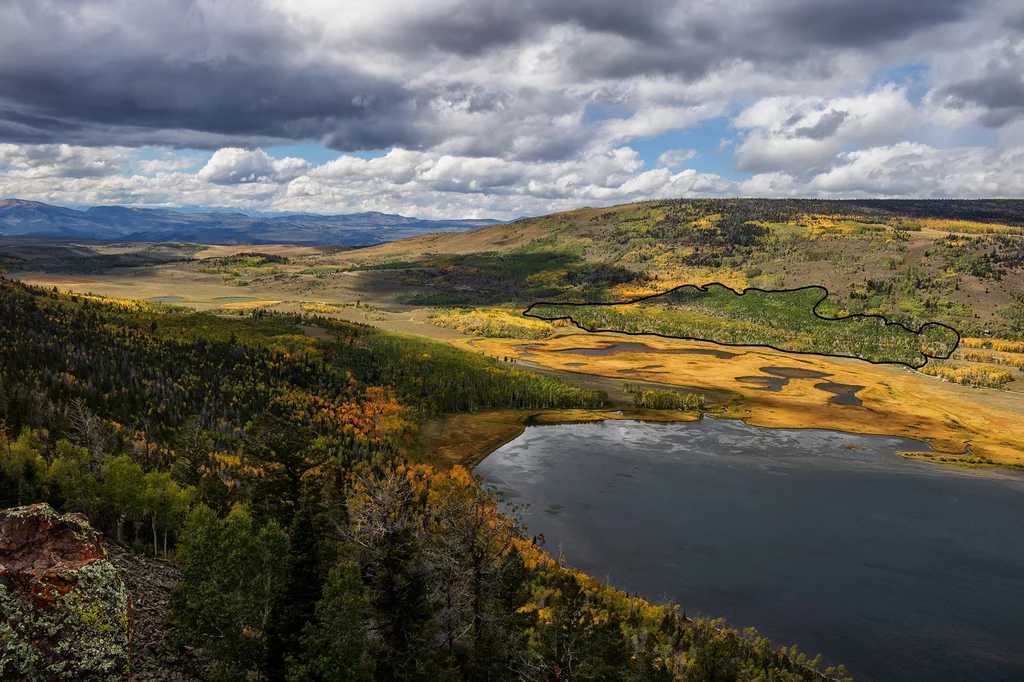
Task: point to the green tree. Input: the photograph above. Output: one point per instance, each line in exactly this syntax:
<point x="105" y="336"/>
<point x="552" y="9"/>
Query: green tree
<point x="1013" y="313"/>
<point x="22" y="469"/>
<point x="232" y="576"/>
<point x="716" y="659"/>
<point x="192" y="452"/>
<point x="70" y="482"/>
<point x="124" y="489"/>
<point x="279" y="453"/>
<point x="467" y="546"/>
<point x="334" y="646"/>
<point x="166" y="504"/>
<point x="309" y="562"/>
<point x="578" y="639"/>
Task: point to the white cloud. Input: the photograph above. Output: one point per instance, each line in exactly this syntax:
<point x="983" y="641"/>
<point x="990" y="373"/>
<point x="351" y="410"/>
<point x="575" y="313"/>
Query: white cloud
<point x="61" y="160"/>
<point x="422" y="183"/>
<point x="675" y="158"/>
<point x="167" y="162"/>
<point x="232" y="165"/>
<point x="801" y="134"/>
<point x="906" y="169"/>
<point x="434" y="185"/>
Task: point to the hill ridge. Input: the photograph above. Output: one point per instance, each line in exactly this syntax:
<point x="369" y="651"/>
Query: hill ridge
<point x="22" y="217"/>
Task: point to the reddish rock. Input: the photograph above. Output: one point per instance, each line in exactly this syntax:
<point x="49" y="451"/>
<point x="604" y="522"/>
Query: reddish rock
<point x="64" y="612"/>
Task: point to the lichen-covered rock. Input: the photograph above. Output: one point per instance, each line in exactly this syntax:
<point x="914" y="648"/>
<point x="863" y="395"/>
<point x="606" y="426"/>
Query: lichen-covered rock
<point x="64" y="612"/>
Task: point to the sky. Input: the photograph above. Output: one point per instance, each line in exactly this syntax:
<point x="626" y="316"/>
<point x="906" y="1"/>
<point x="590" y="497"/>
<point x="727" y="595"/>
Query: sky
<point x="506" y="108"/>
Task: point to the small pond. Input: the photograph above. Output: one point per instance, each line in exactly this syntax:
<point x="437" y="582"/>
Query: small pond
<point x="777" y="378"/>
<point x="634" y="347"/>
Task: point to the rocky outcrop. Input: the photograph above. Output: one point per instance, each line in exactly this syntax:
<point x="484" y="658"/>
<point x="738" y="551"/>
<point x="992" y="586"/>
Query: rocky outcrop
<point x="65" y="613"/>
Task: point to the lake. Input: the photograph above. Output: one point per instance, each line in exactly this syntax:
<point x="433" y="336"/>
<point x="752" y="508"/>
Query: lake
<point x="902" y="570"/>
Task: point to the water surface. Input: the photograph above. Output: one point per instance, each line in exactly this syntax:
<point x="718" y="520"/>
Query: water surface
<point x="166" y="299"/>
<point x="902" y="570"/>
<point x="636" y="347"/>
<point x="842" y="394"/>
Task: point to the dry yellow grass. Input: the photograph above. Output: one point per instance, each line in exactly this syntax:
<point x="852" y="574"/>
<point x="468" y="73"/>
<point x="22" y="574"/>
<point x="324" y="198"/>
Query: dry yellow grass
<point x="248" y="306"/>
<point x="493" y="323"/>
<point x="896" y="401"/>
<point x="320" y="308"/>
<point x="196" y="290"/>
<point x="286" y="250"/>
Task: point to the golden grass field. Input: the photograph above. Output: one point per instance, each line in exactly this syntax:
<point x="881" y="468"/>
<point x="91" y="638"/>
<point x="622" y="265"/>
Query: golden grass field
<point x="896" y="401"/>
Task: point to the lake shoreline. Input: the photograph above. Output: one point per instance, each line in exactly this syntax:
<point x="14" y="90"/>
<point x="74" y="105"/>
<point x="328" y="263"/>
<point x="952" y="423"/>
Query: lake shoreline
<point x="503" y="426"/>
<point x="714" y="515"/>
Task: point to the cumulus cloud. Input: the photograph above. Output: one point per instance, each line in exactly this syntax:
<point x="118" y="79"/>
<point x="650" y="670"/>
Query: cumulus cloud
<point x="906" y="169"/>
<point x="61" y="160"/>
<point x="166" y="162"/>
<point x="413" y="182"/>
<point x="232" y="165"/>
<point x="800" y="134"/>
<point x="435" y="185"/>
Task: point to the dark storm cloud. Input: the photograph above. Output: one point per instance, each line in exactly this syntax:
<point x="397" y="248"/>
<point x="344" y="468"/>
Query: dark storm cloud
<point x="864" y="23"/>
<point x="189" y="73"/>
<point x="66" y="80"/>
<point x="230" y="97"/>
<point x="691" y="40"/>
<point x="999" y="91"/>
<point x="473" y="27"/>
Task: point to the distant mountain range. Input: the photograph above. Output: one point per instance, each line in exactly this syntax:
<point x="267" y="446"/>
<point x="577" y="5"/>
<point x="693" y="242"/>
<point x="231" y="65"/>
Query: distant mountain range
<point x="19" y="217"/>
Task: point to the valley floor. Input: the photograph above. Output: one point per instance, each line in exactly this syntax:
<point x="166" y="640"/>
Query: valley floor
<point x="965" y="426"/>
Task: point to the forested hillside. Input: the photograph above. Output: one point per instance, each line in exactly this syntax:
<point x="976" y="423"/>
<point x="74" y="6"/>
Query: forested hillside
<point x="273" y="458"/>
<point x="956" y="262"/>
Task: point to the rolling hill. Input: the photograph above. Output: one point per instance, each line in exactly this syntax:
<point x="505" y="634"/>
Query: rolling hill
<point x="958" y="262"/>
